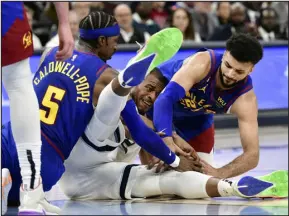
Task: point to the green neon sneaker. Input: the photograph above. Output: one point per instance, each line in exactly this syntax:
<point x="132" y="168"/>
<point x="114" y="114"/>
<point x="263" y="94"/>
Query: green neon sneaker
<point x="273" y="185"/>
<point x="165" y="44"/>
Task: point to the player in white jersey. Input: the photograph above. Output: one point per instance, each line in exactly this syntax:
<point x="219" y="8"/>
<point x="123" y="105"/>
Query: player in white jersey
<point x="105" y="172"/>
<point x="99" y="166"/>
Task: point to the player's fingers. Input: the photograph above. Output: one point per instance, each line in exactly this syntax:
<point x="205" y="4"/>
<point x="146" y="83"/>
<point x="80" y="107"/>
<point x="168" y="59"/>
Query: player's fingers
<point x="164" y="168"/>
<point x="197" y="167"/>
<point x="64" y="52"/>
<point x="179" y="151"/>
<point x="62" y="49"/>
<point x="159" y="166"/>
<point x="195" y="155"/>
<point x="153" y="162"/>
<point x="189" y="150"/>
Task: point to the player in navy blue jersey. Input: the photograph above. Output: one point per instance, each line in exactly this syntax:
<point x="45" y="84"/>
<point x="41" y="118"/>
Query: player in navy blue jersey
<point x="211" y="82"/>
<point x="68" y="92"/>
<point x="17" y="47"/>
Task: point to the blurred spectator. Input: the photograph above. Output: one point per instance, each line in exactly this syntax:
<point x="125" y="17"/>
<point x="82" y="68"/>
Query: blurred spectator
<point x="236" y="24"/>
<point x="268" y="25"/>
<point x="205" y="21"/>
<point x="182" y="19"/>
<point x="252" y="10"/>
<point x="189" y="6"/>
<point x="96" y="6"/>
<point x="159" y="14"/>
<point x="128" y="33"/>
<point x="282" y="10"/>
<point x="74" y="25"/>
<point x="223" y="12"/>
<point x="81" y="8"/>
<point x="142" y="19"/>
<point x="36" y="41"/>
<point x="36" y="7"/>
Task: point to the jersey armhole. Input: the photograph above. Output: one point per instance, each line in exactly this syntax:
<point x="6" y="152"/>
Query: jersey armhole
<point x="44" y="54"/>
<point x="229" y="110"/>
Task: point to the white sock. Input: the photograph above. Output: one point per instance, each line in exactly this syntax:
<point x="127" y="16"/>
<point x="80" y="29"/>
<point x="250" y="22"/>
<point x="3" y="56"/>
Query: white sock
<point x="225" y="188"/>
<point x="106" y="115"/>
<point x="25" y="118"/>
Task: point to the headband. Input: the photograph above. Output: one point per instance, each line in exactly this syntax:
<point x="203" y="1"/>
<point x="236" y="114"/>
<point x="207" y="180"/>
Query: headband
<point x="95" y="33"/>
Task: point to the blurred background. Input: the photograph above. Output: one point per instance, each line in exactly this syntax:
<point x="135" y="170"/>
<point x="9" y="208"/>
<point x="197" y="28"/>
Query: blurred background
<point x="204" y="24"/>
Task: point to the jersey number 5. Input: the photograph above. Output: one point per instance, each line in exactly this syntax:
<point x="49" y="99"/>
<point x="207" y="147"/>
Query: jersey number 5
<point x="55" y="94"/>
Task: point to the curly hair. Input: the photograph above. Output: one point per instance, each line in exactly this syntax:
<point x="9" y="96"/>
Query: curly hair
<point x="245" y="48"/>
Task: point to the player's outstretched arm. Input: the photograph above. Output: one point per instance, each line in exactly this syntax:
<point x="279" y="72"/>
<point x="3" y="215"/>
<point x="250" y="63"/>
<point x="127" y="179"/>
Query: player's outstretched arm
<point x="245" y="107"/>
<point x="66" y="41"/>
<point x="194" y="70"/>
<point x="146" y="137"/>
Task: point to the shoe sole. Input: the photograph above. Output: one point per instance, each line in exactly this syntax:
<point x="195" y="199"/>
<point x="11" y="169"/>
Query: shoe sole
<point x="273" y="185"/>
<point x="165" y="44"/>
<point x="280" y="180"/>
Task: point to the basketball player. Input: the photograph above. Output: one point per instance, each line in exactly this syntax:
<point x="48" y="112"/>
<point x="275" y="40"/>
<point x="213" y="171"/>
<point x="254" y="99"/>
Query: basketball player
<point x="206" y="83"/>
<point x="17" y="47"/>
<point x="67" y="92"/>
<point x="100" y="167"/>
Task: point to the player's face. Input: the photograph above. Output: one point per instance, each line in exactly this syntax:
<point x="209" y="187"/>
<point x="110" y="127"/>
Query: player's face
<point x="108" y="48"/>
<point x="147" y="92"/>
<point x="233" y="71"/>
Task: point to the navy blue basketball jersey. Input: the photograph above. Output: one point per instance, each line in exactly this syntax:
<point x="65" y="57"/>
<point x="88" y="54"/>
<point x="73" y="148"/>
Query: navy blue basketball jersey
<point x="65" y="92"/>
<point x="203" y="97"/>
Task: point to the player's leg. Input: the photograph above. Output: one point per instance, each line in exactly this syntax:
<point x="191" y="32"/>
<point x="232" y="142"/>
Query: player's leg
<point x="17" y="79"/>
<point x="103" y="181"/>
<point x="199" y="185"/>
<point x="113" y="97"/>
<point x="51" y="170"/>
<point x="25" y="120"/>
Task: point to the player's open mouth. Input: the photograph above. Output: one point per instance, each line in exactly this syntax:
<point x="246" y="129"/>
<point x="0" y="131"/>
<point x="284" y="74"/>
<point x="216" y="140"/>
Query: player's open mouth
<point x="147" y="104"/>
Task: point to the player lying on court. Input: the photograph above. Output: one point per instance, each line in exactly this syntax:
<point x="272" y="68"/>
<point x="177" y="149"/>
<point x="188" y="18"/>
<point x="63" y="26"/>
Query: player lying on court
<point x="211" y="82"/>
<point x="106" y="172"/>
<point x="67" y="91"/>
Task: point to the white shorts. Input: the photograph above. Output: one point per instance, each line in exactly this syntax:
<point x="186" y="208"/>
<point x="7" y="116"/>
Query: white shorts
<point x="102" y="169"/>
<point x="113" y="180"/>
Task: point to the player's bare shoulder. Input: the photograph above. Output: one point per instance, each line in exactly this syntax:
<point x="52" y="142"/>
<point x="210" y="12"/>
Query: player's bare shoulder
<point x="246" y="104"/>
<point x="202" y="58"/>
<point x="194" y="69"/>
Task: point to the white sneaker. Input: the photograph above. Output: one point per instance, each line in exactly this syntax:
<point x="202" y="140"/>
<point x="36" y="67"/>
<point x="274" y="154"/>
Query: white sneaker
<point x="34" y="203"/>
<point x="6" y="186"/>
